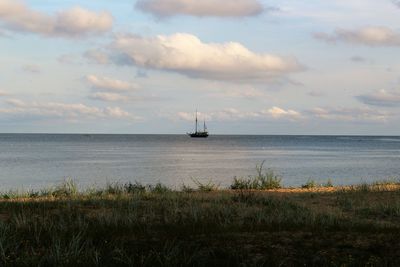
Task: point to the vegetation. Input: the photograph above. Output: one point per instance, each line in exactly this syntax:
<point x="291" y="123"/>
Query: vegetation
<point x="204" y="187"/>
<point x="310" y="184"/>
<point x="264" y="179"/>
<point x="328" y="183"/>
<point x="141" y="225"/>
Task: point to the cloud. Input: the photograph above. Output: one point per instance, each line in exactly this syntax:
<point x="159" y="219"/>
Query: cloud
<point x="396" y="3"/>
<point x="349" y="114"/>
<point x="16" y="16"/>
<point x="112" y="90"/>
<point x="315" y="93"/>
<point x="280" y="114"/>
<point x="35" y="69"/>
<point x="358" y="59"/>
<point x="63" y="110"/>
<point x="232" y="114"/>
<point x="106" y="83"/>
<point x="381" y="98"/>
<point x="371" y="36"/>
<point x="109" y="97"/>
<point x="203" y="8"/>
<point x="276" y="112"/>
<point x="232" y="92"/>
<point x="68" y="59"/>
<point x="188" y="55"/>
<point x="96" y="56"/>
<point x="227" y="114"/>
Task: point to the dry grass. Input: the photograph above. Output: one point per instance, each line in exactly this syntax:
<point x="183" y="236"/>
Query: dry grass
<point x="134" y="225"/>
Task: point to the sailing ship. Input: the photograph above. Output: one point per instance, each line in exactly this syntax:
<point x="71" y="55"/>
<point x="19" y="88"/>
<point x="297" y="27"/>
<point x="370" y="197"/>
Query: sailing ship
<point x="197" y="133"/>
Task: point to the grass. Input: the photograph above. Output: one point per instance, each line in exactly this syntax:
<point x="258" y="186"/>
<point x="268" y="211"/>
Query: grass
<point x="152" y="225"/>
<point x="204" y="186"/>
<point x="264" y="179"/>
<point x="309" y="184"/>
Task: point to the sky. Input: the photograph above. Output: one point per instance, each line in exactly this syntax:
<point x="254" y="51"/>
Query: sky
<point x="248" y="66"/>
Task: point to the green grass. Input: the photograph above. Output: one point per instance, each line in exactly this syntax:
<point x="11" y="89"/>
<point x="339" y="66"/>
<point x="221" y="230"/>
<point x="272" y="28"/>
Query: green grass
<point x="152" y="225"/>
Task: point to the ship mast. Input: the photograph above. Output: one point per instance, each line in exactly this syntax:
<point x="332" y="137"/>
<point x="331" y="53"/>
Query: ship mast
<point x="196" y="122"/>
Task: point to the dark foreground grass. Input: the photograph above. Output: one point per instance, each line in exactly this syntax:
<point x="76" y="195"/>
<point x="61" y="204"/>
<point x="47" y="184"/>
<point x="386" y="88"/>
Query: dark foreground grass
<point x="135" y="225"/>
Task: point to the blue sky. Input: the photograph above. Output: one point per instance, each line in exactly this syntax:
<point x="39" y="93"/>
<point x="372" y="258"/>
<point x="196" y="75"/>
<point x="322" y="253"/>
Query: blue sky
<point x="249" y="66"/>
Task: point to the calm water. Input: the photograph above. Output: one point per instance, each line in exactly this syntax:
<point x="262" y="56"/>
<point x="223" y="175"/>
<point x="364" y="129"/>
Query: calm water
<point x="33" y="161"/>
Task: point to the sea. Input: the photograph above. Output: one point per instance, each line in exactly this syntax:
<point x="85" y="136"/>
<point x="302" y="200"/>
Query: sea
<point x="34" y="161"/>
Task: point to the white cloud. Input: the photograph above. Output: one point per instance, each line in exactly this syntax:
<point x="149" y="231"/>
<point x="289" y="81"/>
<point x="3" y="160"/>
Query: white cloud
<point x="106" y="83"/>
<point x="15" y="15"/>
<point x="280" y="114"/>
<point x="117" y="112"/>
<point x="315" y="93"/>
<point x="68" y="59"/>
<point x="188" y="55"/>
<point x="239" y="92"/>
<point x="381" y="98"/>
<point x="63" y="110"/>
<point x="78" y="20"/>
<point x="277" y="112"/>
<point x="186" y="116"/>
<point x="350" y="114"/>
<point x="16" y="102"/>
<point x="109" y="97"/>
<point x="96" y="56"/>
<point x="358" y="59"/>
<point x="31" y="68"/>
<point x="371" y="36"/>
<point x="227" y="114"/>
<point x="201" y="8"/>
<point x="233" y="114"/>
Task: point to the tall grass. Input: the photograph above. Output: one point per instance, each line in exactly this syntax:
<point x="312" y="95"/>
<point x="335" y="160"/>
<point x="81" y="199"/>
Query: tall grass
<point x="140" y="225"/>
<point x="207" y="186"/>
<point x="309" y="184"/>
<point x="264" y="179"/>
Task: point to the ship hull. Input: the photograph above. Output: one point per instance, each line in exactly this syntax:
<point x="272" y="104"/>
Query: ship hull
<point x="198" y="135"/>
